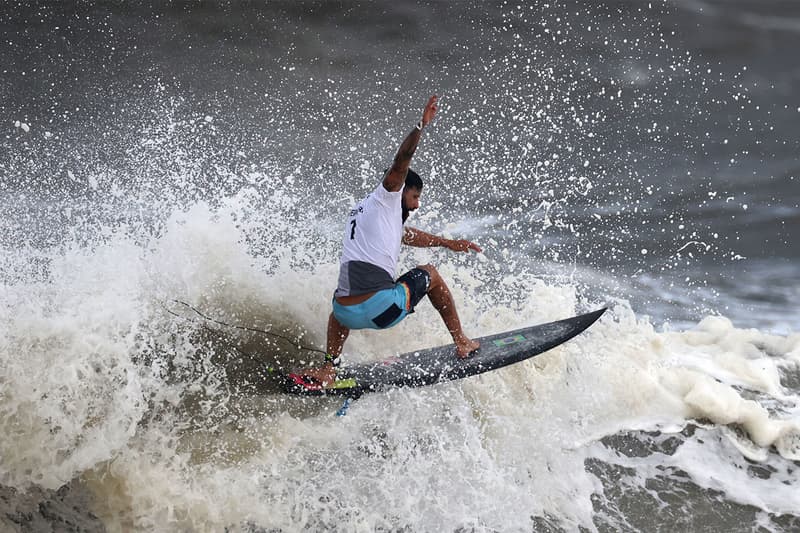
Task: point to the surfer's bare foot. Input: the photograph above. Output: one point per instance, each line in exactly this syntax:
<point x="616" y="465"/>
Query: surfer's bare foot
<point x="325" y="374"/>
<point x="465" y="346"/>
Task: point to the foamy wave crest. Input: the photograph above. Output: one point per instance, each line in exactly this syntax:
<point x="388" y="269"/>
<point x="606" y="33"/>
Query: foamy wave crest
<point x="71" y="394"/>
<point x="137" y="363"/>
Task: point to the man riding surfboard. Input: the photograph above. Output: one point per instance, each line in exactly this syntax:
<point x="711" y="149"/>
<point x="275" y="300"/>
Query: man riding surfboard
<point x="367" y="295"/>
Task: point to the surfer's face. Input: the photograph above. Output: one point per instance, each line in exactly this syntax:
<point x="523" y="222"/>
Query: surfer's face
<point x="410" y="200"/>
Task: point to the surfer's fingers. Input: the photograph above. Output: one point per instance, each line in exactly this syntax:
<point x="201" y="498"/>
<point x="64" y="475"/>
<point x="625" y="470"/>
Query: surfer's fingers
<point x="430" y="110"/>
<point x="463" y="245"/>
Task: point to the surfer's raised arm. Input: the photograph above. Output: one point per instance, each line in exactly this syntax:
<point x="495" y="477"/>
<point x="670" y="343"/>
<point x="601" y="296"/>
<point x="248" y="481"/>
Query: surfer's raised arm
<point x="396" y="175"/>
<point x="417" y="237"/>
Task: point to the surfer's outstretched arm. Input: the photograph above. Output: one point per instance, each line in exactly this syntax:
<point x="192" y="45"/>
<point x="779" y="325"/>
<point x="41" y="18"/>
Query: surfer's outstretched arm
<point x="396" y="175"/>
<point x="417" y="237"/>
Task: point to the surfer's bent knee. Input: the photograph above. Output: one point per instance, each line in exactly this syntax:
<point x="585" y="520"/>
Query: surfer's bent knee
<point x="434" y="274"/>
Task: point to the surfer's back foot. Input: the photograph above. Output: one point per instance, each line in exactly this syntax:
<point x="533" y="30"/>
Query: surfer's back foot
<point x="324" y="375"/>
<point x="465" y="346"/>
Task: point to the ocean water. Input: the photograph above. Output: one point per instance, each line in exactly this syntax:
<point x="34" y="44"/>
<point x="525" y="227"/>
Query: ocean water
<point x="173" y="182"/>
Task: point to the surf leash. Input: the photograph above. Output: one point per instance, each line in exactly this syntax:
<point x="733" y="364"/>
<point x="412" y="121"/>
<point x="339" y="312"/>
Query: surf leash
<point x="224" y="339"/>
<point x="245" y="328"/>
<point x="345" y="406"/>
<point x="339" y="384"/>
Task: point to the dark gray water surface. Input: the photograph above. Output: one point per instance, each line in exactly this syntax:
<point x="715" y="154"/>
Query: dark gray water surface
<point x="667" y="130"/>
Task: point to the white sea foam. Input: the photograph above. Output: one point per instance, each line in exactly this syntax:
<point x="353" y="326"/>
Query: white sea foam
<point x="103" y="383"/>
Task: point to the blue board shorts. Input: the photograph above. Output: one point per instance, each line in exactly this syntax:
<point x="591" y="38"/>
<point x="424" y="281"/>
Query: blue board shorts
<point x="388" y="307"/>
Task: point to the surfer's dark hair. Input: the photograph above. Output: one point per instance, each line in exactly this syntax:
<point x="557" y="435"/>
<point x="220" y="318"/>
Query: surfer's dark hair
<point x="413" y="180"/>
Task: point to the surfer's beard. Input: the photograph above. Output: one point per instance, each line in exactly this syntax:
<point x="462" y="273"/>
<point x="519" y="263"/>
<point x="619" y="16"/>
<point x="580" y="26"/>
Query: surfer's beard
<point x="406" y="210"/>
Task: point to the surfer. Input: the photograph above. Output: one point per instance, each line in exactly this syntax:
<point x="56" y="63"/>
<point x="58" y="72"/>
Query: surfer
<point x="367" y="295"/>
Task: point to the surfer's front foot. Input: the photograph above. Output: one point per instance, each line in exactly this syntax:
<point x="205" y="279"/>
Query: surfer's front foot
<point x="466" y="346"/>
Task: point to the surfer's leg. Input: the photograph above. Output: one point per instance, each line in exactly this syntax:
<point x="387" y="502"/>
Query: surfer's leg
<point x="442" y="301"/>
<point x="337" y="334"/>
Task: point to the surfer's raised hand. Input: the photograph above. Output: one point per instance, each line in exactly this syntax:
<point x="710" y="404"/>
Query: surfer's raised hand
<point x="396" y="176"/>
<point x="430" y="110"/>
<point x="461" y="245"/>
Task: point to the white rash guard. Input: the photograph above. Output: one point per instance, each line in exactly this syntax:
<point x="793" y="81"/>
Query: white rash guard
<point x="372" y="239"/>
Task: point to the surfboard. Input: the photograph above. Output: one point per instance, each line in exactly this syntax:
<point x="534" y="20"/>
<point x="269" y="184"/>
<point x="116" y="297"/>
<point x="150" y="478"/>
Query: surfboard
<point x="441" y="364"/>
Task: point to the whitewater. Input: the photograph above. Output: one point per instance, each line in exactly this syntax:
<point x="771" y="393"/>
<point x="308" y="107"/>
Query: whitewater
<point x="170" y="230"/>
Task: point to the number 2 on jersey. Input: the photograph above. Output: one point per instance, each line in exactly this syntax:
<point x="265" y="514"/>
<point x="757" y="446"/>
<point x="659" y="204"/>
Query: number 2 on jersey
<point x="353" y="229"/>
